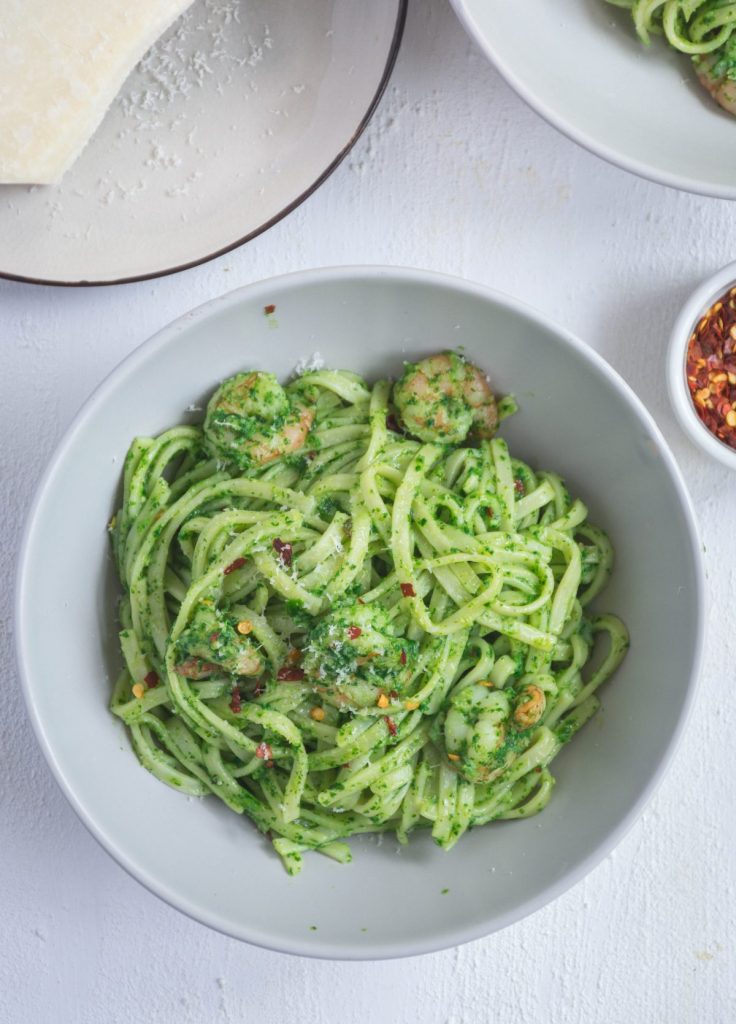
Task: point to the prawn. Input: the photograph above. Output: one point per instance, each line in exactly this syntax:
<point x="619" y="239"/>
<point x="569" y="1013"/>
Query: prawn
<point x="251" y="420"/>
<point x="529" y="707"/>
<point x="721" y="87"/>
<point x="475" y="732"/>
<point x="444" y="398"/>
<point x="212" y="643"/>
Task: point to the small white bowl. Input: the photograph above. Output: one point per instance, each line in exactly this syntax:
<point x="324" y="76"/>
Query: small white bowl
<point x="576" y="416"/>
<point x="708" y="292"/>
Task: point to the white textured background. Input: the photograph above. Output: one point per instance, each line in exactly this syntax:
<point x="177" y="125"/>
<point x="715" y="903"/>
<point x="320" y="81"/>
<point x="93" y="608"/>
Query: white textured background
<point x="455" y="174"/>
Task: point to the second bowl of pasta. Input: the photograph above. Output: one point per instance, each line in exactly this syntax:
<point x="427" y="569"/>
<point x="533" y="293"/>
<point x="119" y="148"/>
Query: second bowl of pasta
<point x="648" y="86"/>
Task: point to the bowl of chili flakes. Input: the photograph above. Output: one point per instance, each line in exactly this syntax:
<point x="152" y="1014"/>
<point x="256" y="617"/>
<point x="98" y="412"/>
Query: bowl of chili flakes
<point x="701" y="366"/>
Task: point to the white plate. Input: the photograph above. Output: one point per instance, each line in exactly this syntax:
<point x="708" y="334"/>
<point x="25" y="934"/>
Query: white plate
<point x="577" y="416"/>
<point x="233" y="118"/>
<point x="579" y="64"/>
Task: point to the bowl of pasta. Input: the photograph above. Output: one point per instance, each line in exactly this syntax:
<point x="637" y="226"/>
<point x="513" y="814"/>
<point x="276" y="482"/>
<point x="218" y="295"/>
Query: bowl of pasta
<point x="369" y="643"/>
<point x="649" y="86"/>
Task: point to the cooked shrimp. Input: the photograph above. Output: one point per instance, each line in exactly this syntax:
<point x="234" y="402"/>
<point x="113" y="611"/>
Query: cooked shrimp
<point x="252" y="420"/>
<point x="196" y="668"/>
<point x="529" y="706"/>
<point x="212" y="643"/>
<point x="475" y="732"/>
<point x="354" y="651"/>
<point x="444" y="398"/>
<point x="289" y="438"/>
<point x="246" y="662"/>
<point x="721" y="87"/>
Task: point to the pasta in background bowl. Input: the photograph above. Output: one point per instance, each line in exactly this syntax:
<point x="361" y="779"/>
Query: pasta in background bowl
<point x="580" y="64"/>
<point x="576" y="416"/>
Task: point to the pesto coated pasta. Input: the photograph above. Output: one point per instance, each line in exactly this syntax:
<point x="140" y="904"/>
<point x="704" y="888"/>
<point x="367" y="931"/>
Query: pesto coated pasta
<point x="349" y="609"/>
<point x="703" y="29"/>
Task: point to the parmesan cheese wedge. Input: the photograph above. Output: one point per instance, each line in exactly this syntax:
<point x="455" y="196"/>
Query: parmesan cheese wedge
<point x="61" y="64"/>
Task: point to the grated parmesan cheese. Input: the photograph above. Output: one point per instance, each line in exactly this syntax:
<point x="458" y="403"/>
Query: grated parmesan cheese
<point x="309" y="363"/>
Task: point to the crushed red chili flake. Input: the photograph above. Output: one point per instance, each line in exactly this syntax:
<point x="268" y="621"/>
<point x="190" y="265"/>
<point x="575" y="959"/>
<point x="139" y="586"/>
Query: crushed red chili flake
<point x="151" y="679"/>
<point x="269" y="309"/>
<point x="390" y="725"/>
<point x="402" y="657"/>
<point x="237" y="564"/>
<point x="711" y="368"/>
<point x="408" y="590"/>
<point x="393" y="424"/>
<point x="290" y="675"/>
<point x="354" y="632"/>
<point x="519" y="485"/>
<point x="393" y="694"/>
<point x="235" y="701"/>
<point x="263" y="750"/>
<point x="284" y="550"/>
<point x="214" y="636"/>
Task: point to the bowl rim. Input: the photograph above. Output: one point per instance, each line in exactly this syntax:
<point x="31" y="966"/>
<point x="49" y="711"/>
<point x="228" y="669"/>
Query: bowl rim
<point x="698" y="302"/>
<point x="265" y="289"/>
<point x="681" y="182"/>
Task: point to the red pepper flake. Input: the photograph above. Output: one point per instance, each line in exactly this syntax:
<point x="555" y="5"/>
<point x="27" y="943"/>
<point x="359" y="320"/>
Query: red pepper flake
<point x="710" y="371"/>
<point x="390" y="725"/>
<point x="151" y="679"/>
<point x="290" y="675"/>
<point x="214" y="636"/>
<point x="519" y="485"/>
<point x="237" y="564"/>
<point x="284" y="550"/>
<point x="235" y="701"/>
<point x="269" y="309"/>
<point x="393" y="694"/>
<point x="354" y="632"/>
<point x="402" y="657"/>
<point x="408" y="590"/>
<point x="393" y="424"/>
<point x="263" y="750"/>
<point x="260" y="688"/>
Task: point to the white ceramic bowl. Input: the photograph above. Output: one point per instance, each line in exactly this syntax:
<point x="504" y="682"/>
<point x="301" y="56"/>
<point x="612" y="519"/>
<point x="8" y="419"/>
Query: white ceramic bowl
<point x="708" y="292"/>
<point x="579" y="64"/>
<point x="577" y="416"/>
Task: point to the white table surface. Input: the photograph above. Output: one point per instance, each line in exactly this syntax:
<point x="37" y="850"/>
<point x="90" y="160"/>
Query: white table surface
<point x="456" y="174"/>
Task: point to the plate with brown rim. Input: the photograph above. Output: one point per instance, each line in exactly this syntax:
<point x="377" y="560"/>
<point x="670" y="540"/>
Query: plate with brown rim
<point x="235" y="116"/>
